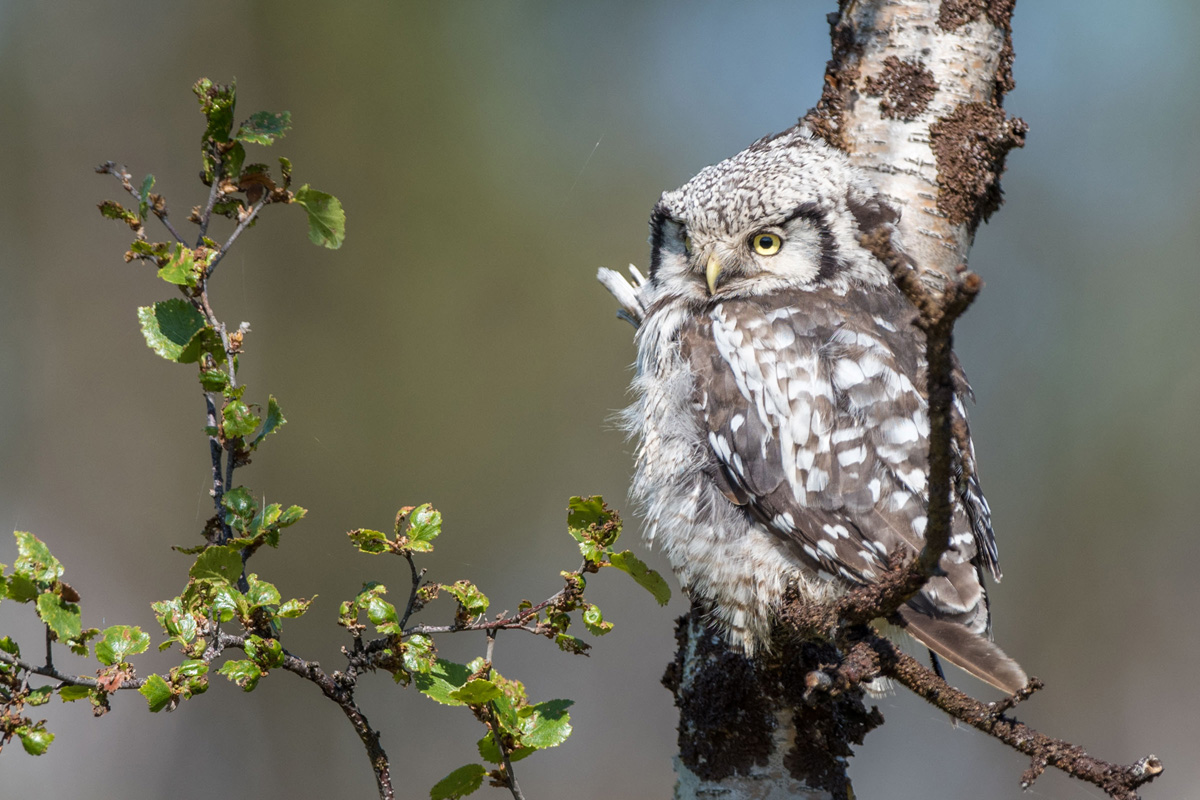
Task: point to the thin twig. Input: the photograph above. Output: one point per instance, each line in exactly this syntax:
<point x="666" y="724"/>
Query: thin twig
<point x="214" y="191"/>
<point x="214" y="448"/>
<point x="874" y="655"/>
<point x="494" y="722"/>
<point x="233" y="237"/>
<point x="163" y="218"/>
<point x="509" y="775"/>
<point x="69" y="680"/>
<point x="120" y="173"/>
<point x="517" y="622"/>
<point x="344" y="698"/>
<point x="416" y="587"/>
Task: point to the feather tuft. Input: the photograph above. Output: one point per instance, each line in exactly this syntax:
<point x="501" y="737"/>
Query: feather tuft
<point x="968" y="651"/>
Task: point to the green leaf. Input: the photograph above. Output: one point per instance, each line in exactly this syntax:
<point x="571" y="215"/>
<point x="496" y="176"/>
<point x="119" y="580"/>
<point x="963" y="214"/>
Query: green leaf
<point x="264" y="127"/>
<point x="190" y="678"/>
<point x="232" y="169"/>
<point x="645" y="577"/>
<point x="549" y="724"/>
<point x="266" y="653"/>
<point x="34" y="561"/>
<point x="584" y="512"/>
<point x="192" y="668"/>
<point x="593" y="620"/>
<point x="180" y="268"/>
<point x="266" y="519"/>
<point x="218" y="565"/>
<point x="39" y="696"/>
<point x="291" y="515"/>
<point x="425" y="524"/>
<point x="240" y="504"/>
<point x="244" y="673"/>
<point x="419" y="654"/>
<point x="228" y="602"/>
<point x="295" y="608"/>
<point x="70" y="693"/>
<point x="78" y="644"/>
<point x="382" y="615"/>
<point x="460" y="783"/>
<point x="571" y="644"/>
<point x="214" y="380"/>
<point x="111" y="209"/>
<point x="21" y="588"/>
<point x="285" y="169"/>
<point x="261" y="593"/>
<point x="239" y="419"/>
<point x="157" y="692"/>
<point x="326" y="219"/>
<point x="119" y="641"/>
<point x="35" y="739"/>
<point x="368" y="541"/>
<point x="476" y="692"/>
<point x="473" y="601"/>
<point x="442" y="681"/>
<point x="175" y="620"/>
<point x="62" y="617"/>
<point x="144" y="204"/>
<point x="216" y="103"/>
<point x="274" y="421"/>
<point x="593" y="525"/>
<point x="169" y="327"/>
<point x="490" y="753"/>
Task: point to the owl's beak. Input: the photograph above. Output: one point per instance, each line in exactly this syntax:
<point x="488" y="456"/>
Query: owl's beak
<point x="712" y="271"/>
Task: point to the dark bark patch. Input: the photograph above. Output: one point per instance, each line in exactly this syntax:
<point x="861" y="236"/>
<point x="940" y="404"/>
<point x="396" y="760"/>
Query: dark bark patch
<point x="970" y="145"/>
<point x="728" y="706"/>
<point x="838" y="93"/>
<point x="825" y="729"/>
<point x="726" y="719"/>
<point x="905" y="87"/>
<point x="956" y="13"/>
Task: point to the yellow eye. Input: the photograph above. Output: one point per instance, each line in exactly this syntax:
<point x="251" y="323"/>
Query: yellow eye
<point x="766" y="244"/>
<point x="687" y="244"/>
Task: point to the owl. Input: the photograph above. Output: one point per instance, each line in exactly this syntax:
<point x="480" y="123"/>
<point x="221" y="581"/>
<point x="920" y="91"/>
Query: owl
<point x="781" y="411"/>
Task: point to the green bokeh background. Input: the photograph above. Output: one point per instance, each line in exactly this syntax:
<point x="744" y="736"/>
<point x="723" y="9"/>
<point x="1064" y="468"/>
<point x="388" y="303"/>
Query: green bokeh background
<point x="458" y="350"/>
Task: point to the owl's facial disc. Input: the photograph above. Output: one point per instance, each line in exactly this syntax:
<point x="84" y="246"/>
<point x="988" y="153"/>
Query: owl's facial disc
<point x="758" y="249"/>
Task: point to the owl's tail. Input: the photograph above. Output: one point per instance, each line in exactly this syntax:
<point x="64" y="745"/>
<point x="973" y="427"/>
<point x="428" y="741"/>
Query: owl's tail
<point x="976" y="654"/>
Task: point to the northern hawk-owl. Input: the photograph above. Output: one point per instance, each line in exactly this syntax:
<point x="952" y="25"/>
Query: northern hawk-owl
<point x="781" y="404"/>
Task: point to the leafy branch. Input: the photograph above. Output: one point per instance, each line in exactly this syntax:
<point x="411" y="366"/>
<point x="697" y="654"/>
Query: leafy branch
<point x="224" y="608"/>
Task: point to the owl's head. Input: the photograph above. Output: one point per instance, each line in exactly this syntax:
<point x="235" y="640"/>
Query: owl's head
<point x="786" y="212"/>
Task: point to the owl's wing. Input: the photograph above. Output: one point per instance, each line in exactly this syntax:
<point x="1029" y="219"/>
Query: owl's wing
<point x="814" y="424"/>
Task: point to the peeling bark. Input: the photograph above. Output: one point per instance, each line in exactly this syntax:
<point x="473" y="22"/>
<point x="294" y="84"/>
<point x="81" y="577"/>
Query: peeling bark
<point x="914" y="93"/>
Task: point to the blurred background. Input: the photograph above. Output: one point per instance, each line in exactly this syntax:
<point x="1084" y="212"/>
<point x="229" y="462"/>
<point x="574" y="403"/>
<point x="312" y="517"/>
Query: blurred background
<point x="458" y="350"/>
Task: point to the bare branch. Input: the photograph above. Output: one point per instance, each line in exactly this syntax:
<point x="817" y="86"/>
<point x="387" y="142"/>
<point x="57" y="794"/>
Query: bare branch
<point x="245" y="221"/>
<point x="160" y="209"/>
<point x="343" y="696"/>
<point x="873" y="656"/>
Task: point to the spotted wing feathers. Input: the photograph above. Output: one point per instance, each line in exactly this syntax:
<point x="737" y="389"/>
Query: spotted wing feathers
<point x="816" y="425"/>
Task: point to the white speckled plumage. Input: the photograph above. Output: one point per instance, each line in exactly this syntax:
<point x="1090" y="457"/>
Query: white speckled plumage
<point x="780" y="413"/>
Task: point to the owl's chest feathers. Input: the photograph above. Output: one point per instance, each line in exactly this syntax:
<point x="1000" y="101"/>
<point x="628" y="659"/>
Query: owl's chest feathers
<point x="785" y="396"/>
